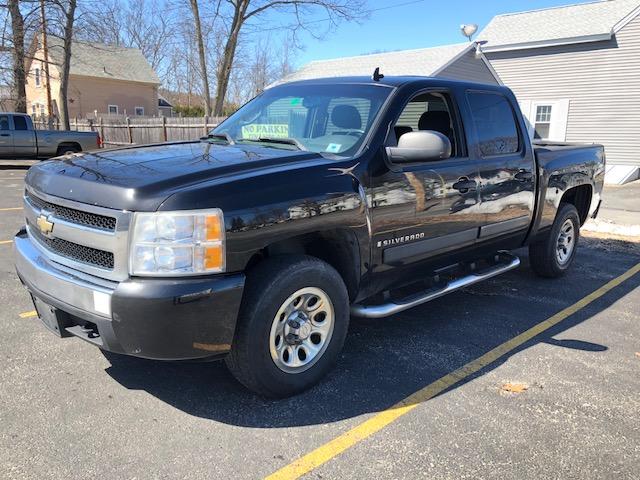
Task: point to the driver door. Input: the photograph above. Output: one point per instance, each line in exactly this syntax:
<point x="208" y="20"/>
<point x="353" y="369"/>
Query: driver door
<point x="424" y="210"/>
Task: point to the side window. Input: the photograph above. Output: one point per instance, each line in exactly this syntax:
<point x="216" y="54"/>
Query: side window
<point x="4" y="122"/>
<point x="428" y="111"/>
<point x="495" y="123"/>
<point x="19" y="122"/>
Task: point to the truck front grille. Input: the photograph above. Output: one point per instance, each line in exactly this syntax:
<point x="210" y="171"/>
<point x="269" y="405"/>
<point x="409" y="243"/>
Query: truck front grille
<point x="74" y="251"/>
<point x="71" y="215"/>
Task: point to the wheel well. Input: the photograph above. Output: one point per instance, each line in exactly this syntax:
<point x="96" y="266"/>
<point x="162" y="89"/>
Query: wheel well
<point x="339" y="248"/>
<point x="579" y="197"/>
<point x="75" y="145"/>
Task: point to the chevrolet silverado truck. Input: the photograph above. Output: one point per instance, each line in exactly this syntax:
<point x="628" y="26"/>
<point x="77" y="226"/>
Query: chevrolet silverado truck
<point x="20" y="140"/>
<point x="316" y="201"/>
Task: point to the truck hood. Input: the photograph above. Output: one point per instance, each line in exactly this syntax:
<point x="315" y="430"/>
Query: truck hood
<point x="141" y="178"/>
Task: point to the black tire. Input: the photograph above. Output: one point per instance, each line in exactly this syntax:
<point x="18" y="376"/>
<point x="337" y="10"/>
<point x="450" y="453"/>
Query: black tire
<point x="64" y="149"/>
<point x="543" y="255"/>
<point x="267" y="288"/>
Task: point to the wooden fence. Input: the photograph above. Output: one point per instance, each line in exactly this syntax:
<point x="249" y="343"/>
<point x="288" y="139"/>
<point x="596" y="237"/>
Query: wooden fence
<point x="139" y="130"/>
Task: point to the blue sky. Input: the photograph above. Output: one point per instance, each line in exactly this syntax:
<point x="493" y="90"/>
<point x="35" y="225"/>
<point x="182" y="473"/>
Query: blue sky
<point x="423" y="24"/>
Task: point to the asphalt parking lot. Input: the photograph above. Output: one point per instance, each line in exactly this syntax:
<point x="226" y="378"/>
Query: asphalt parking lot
<point x="518" y="377"/>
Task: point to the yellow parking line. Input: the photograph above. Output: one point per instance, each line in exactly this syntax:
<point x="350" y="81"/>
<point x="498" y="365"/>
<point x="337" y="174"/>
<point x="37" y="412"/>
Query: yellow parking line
<point x="335" y="447"/>
<point x="10" y="209"/>
<point x="32" y="313"/>
<point x="4" y="242"/>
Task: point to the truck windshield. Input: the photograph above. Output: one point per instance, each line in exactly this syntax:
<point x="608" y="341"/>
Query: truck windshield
<point x="328" y="119"/>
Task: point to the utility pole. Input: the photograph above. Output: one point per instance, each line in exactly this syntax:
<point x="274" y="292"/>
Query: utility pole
<point x="46" y="63"/>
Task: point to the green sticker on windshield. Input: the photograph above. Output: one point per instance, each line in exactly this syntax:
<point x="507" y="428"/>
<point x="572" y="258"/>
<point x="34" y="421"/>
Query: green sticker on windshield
<point x="256" y="131"/>
<point x="296" y="101"/>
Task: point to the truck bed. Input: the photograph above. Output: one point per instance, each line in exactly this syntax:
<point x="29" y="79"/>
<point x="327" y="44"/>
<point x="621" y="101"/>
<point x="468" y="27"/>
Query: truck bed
<point x="563" y="166"/>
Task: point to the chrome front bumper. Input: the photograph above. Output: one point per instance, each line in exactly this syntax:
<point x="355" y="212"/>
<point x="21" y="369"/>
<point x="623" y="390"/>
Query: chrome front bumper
<point x="164" y="319"/>
<point x="79" y="292"/>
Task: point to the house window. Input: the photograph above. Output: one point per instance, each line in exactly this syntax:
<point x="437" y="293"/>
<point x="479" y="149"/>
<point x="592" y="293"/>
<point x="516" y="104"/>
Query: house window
<point x="139" y="111"/>
<point x="37" y="76"/>
<point x="542" y="125"/>
<point x="33" y="110"/>
<point x="113" y="109"/>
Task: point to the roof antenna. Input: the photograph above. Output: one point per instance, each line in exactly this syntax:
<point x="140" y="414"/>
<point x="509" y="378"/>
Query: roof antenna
<point x="377" y="76"/>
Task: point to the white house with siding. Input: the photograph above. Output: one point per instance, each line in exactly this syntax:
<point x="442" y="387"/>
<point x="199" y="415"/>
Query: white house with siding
<point x="576" y="72"/>
<point x="459" y="61"/>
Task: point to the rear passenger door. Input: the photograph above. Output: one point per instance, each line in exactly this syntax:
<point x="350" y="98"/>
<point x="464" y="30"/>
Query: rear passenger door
<point x="6" y="138"/>
<point x="506" y="166"/>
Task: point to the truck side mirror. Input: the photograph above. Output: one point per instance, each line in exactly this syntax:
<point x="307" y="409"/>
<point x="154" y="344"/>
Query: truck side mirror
<point x="422" y="146"/>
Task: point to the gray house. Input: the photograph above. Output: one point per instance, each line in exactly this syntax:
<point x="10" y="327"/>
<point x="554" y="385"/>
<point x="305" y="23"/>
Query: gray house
<point x="459" y="61"/>
<point x="576" y="73"/>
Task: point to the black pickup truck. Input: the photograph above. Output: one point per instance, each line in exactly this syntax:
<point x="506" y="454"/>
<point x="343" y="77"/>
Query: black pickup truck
<point x="315" y="201"/>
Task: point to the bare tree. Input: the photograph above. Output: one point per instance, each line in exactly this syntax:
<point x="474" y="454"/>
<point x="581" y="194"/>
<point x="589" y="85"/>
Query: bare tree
<point x="244" y="10"/>
<point x="68" y="10"/>
<point x="18" y="57"/>
<point x="206" y="94"/>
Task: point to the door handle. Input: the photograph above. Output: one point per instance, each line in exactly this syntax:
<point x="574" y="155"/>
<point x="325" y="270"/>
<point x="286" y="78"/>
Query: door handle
<point x="463" y="185"/>
<point x="523" y="176"/>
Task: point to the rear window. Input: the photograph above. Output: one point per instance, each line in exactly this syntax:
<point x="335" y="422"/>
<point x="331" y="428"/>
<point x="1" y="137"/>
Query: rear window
<point x="20" y="123"/>
<point x="495" y="123"/>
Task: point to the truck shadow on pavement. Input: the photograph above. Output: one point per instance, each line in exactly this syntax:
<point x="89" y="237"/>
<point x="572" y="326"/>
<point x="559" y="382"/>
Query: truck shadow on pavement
<point x="385" y="360"/>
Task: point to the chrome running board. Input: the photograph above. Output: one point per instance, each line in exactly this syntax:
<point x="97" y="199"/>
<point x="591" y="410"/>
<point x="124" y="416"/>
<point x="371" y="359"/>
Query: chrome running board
<point x="504" y="262"/>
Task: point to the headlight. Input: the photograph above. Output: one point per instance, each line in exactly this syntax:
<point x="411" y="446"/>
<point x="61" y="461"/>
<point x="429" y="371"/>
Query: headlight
<point x="177" y="243"/>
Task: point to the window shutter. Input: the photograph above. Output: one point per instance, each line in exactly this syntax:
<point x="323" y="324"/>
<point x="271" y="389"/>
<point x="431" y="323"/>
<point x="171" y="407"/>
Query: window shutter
<point x="526" y="107"/>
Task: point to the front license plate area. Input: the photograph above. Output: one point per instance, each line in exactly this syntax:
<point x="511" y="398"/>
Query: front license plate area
<point x="49" y="316"/>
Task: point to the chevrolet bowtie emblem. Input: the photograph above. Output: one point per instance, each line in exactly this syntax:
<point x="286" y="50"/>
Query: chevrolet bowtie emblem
<point x="45" y="226"/>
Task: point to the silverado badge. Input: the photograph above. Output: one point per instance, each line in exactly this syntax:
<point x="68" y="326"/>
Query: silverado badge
<point x="45" y="226"/>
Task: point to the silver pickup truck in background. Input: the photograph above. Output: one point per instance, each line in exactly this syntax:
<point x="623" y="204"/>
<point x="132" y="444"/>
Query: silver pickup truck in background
<point x="19" y="139"/>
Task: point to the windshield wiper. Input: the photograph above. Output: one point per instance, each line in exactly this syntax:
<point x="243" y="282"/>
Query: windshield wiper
<point x="220" y="136"/>
<point x="283" y="141"/>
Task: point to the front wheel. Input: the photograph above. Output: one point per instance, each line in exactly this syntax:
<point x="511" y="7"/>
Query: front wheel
<point x="292" y="325"/>
<point x="553" y="256"/>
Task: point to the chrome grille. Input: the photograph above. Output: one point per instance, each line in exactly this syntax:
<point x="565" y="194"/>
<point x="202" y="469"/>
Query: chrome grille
<point x="74" y="251"/>
<point x="86" y="238"/>
<point x="72" y="215"/>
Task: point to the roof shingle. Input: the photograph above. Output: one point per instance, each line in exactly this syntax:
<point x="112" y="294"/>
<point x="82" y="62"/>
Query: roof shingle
<point x="104" y="61"/>
<point x="422" y="62"/>
<point x="568" y="23"/>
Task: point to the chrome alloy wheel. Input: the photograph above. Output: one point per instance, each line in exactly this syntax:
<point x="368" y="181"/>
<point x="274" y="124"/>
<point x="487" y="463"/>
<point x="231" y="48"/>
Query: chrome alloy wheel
<point x="566" y="242"/>
<point x="301" y="330"/>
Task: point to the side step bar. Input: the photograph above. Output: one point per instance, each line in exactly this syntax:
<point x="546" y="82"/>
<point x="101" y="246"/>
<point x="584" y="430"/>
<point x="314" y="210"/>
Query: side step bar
<point x="505" y="262"/>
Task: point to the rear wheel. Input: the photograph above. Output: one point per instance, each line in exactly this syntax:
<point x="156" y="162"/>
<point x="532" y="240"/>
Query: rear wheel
<point x="292" y="325"/>
<point x="64" y="149"/>
<point x="553" y="256"/>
